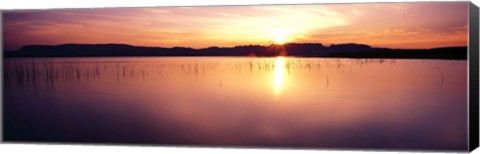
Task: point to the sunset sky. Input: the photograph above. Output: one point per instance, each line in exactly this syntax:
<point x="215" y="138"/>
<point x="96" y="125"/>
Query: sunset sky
<point x="393" y="25"/>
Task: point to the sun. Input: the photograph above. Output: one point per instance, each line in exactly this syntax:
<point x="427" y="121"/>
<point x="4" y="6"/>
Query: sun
<point x="280" y="35"/>
<point x="280" y="38"/>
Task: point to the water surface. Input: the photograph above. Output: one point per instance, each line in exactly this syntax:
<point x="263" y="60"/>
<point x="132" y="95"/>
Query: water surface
<point x="228" y="101"/>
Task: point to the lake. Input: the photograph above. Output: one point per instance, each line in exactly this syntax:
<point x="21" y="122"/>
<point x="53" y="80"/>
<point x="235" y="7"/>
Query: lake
<point x="242" y="102"/>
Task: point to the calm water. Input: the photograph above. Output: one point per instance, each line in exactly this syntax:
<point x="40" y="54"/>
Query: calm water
<point x="286" y="102"/>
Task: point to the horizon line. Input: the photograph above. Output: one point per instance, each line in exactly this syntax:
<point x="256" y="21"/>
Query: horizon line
<point x="213" y="46"/>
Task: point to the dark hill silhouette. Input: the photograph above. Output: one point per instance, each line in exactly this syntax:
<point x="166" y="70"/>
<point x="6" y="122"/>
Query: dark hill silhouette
<point x="435" y="53"/>
<point x="352" y="47"/>
<point x="350" y="50"/>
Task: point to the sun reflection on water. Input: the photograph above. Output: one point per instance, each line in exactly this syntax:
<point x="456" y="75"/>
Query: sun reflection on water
<point x="278" y="75"/>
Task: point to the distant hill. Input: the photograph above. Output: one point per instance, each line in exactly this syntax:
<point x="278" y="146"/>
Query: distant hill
<point x="436" y="53"/>
<point x="350" y="50"/>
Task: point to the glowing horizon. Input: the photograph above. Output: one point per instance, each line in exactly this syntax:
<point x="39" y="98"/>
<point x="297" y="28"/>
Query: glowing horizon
<point x="391" y="25"/>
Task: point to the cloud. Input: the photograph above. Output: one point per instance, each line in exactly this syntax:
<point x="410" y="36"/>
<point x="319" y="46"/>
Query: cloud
<point x="233" y="25"/>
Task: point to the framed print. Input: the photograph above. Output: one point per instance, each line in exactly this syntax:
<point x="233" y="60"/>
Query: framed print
<point x="375" y="76"/>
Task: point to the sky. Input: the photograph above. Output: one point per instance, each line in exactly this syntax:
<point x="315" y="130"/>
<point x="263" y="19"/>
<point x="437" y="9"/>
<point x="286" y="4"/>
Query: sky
<point x="392" y="25"/>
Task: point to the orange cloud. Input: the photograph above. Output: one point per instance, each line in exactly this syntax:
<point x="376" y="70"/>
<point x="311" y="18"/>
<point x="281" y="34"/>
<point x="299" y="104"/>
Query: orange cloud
<point x="395" y="25"/>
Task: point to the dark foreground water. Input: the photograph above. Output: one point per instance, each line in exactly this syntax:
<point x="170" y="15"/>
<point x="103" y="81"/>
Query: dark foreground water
<point x="221" y="101"/>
